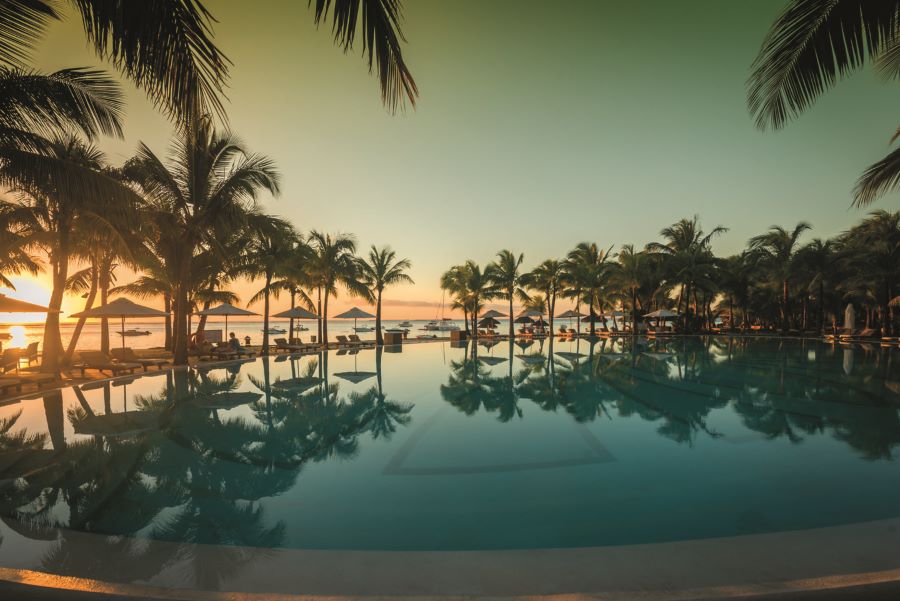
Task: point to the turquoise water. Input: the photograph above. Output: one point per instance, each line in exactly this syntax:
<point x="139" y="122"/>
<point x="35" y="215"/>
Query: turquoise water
<point x="487" y="447"/>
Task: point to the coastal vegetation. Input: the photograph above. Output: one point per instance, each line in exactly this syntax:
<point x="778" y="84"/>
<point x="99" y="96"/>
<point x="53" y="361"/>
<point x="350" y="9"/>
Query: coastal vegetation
<point x="779" y="280"/>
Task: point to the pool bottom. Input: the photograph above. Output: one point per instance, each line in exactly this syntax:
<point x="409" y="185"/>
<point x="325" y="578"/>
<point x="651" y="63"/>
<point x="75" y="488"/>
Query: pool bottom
<point x="816" y="559"/>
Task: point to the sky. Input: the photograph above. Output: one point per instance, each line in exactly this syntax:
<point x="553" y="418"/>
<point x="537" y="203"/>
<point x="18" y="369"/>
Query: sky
<point x="539" y="125"/>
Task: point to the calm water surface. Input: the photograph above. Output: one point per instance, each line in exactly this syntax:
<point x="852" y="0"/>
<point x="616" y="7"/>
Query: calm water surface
<point x="488" y="447"/>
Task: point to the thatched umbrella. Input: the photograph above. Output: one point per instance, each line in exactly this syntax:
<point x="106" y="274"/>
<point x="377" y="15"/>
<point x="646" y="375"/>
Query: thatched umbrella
<point x="122" y="308"/>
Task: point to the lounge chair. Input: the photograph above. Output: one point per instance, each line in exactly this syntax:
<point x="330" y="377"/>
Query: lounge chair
<point x="127" y="355"/>
<point x="102" y="362"/>
<point x="30" y="354"/>
<point x="356" y="340"/>
<point x="281" y="344"/>
<point x="342" y="341"/>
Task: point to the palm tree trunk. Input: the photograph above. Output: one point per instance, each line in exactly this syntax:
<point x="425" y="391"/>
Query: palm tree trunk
<point x="512" y="327"/>
<point x="325" y="320"/>
<point x="634" y="310"/>
<point x="379" y="340"/>
<point x="88" y="303"/>
<point x="105" y="280"/>
<point x="181" y="311"/>
<point x="265" y="344"/>
<point x="291" y="322"/>
<point x="784" y="303"/>
<point x="319" y="310"/>
<point x="466" y="319"/>
<point x="201" y="323"/>
<point x="53" y="350"/>
<point x="821" y="307"/>
<point x="167" y="307"/>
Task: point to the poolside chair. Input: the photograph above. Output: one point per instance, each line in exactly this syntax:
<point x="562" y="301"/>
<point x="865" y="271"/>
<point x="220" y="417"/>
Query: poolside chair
<point x="127" y="355"/>
<point x="342" y="341"/>
<point x="281" y="344"/>
<point x="30" y="354"/>
<point x="357" y="341"/>
<point x="102" y="362"/>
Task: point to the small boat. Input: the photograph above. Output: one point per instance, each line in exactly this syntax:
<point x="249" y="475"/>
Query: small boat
<point x="301" y="328"/>
<point x="274" y="331"/>
<point x="135" y="333"/>
<point x="364" y="328"/>
<point x="404" y="324"/>
<point x="444" y="325"/>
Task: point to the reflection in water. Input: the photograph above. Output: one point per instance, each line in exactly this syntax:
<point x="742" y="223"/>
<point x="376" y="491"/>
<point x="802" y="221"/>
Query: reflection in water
<point x="197" y="460"/>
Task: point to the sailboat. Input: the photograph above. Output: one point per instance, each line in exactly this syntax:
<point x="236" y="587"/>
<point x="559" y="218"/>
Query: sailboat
<point x="445" y="324"/>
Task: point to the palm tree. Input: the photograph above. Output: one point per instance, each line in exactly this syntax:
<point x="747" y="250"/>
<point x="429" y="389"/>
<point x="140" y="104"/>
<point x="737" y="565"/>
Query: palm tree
<point x="382" y="268"/>
<point x="295" y="279"/>
<point x="504" y="275"/>
<point x="775" y="251"/>
<point x="209" y="185"/>
<point x="479" y="288"/>
<point x="735" y="277"/>
<point x="547" y="278"/>
<point x="454" y="281"/>
<point x="817" y="262"/>
<point x="873" y="255"/>
<point x="809" y="47"/>
<point x="629" y="275"/>
<point x="588" y="267"/>
<point x="272" y="240"/>
<point x="58" y="213"/>
<point x="333" y="262"/>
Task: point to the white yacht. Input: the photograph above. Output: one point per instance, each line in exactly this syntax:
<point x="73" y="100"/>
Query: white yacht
<point x="404" y="324"/>
<point x="443" y="325"/>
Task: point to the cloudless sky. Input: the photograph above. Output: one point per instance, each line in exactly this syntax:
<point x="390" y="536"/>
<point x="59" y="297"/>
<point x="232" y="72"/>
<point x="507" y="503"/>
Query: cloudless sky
<point x="540" y="124"/>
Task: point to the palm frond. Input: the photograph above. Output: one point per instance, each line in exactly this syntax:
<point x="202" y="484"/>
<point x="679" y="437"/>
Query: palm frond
<point x="811" y="45"/>
<point x="381" y="33"/>
<point x="22" y="23"/>
<point x="51" y="104"/>
<point x="877" y="179"/>
<point x="165" y="47"/>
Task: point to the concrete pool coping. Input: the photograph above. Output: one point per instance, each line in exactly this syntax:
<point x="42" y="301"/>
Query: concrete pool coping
<point x="820" y="559"/>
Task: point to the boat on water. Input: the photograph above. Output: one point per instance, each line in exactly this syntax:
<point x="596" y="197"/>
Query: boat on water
<point x="404" y="324"/>
<point x="274" y="331"/>
<point x="364" y="329"/>
<point x="444" y="325"/>
<point x="300" y="328"/>
<point x="135" y="333"/>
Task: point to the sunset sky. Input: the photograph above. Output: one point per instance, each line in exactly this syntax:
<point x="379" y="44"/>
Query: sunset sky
<point x="540" y="124"/>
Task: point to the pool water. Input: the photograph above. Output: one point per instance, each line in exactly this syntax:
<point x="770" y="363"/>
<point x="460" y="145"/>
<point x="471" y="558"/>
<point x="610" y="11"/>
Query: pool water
<point x="466" y="447"/>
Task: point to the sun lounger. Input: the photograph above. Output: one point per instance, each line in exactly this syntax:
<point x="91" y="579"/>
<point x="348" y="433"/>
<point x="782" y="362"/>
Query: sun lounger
<point x="342" y="341"/>
<point x="127" y="355"/>
<point x="357" y="341"/>
<point x="103" y="362"/>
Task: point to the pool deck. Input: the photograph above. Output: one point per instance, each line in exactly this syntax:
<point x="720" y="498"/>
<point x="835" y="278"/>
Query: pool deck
<point x="777" y="565"/>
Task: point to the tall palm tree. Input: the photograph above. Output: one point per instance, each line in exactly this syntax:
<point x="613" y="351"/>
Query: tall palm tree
<point x="333" y="262"/>
<point x="294" y="278"/>
<point x="59" y="212"/>
<point x="873" y="249"/>
<point x="817" y="261"/>
<point x="479" y="288"/>
<point x="380" y="269"/>
<point x="589" y="267"/>
<point x="505" y="274"/>
<point x="209" y="184"/>
<point x="272" y="240"/>
<point x="455" y="282"/>
<point x="629" y="274"/>
<point x="808" y="49"/>
<point x="776" y="251"/>
<point x="547" y="278"/>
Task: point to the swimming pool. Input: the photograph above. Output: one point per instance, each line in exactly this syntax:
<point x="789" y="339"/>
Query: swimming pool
<point x="440" y="448"/>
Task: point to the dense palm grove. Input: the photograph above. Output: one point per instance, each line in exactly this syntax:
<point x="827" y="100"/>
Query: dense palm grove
<point x="189" y="222"/>
<point x="779" y="281"/>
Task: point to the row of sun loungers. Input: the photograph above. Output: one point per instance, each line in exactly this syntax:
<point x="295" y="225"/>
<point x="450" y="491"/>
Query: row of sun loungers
<point x="353" y="341"/>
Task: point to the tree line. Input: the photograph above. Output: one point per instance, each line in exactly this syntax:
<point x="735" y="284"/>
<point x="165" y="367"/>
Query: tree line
<point x="777" y="281"/>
